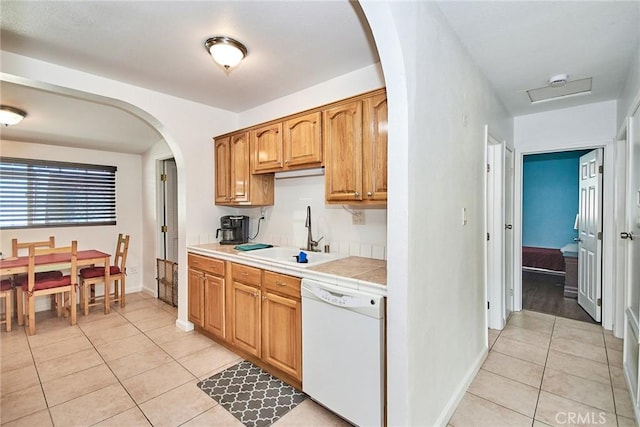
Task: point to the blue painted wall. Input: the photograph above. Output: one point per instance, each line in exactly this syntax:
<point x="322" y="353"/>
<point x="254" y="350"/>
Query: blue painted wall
<point x="550" y="198"/>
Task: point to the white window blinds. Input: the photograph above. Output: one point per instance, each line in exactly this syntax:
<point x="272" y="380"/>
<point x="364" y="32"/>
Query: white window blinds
<point x="41" y="193"/>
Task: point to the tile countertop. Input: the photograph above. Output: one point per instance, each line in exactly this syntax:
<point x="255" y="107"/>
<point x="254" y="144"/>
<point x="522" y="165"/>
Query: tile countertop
<point x="353" y="272"/>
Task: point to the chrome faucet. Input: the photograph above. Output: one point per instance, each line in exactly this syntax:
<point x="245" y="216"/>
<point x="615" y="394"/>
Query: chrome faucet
<point x="312" y="245"/>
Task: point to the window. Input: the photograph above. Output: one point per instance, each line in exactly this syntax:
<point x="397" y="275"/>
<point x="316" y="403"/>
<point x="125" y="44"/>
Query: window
<point x="41" y="193"/>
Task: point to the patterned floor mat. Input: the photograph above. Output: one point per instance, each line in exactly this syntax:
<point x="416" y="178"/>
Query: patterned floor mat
<point x="253" y="396"/>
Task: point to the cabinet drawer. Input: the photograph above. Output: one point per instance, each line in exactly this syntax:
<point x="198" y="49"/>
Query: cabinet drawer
<point x="245" y="274"/>
<point x="281" y="283"/>
<point x="210" y="265"/>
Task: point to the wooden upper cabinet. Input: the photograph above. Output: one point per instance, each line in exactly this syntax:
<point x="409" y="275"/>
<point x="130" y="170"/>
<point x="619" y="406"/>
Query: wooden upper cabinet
<point x="234" y="183"/>
<point x="355" y="144"/>
<point x="267" y="148"/>
<point x="343" y="152"/>
<point x="239" y="170"/>
<point x="303" y="141"/>
<point x="374" y="148"/>
<point x="295" y="143"/>
<point x="222" y="165"/>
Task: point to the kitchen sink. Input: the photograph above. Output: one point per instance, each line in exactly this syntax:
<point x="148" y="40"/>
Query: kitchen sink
<point x="287" y="256"/>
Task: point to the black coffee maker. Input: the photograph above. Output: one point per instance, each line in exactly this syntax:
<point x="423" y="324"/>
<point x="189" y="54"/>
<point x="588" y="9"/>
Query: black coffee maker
<point x="234" y="229"/>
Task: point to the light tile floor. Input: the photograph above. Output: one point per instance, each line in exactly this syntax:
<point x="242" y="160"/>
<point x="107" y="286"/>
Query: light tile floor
<point x="132" y="367"/>
<point x="545" y="370"/>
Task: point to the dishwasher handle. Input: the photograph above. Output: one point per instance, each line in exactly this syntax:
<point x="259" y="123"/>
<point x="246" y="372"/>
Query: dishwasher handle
<point x="340" y="299"/>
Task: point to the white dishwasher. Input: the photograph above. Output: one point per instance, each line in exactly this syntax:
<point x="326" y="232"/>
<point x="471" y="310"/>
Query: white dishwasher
<point x="343" y="351"/>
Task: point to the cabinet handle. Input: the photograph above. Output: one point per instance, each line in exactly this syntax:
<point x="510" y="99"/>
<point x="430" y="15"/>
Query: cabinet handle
<point x="281" y="284"/>
<point x="369" y="193"/>
<point x="264" y="298"/>
<point x="286" y="162"/>
<point x="255" y="295"/>
<point x="357" y="194"/>
<point x="244" y="273"/>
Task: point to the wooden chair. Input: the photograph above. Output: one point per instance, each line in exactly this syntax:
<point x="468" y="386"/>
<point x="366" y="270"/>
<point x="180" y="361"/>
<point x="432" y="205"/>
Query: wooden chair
<point x="91" y="276"/>
<point x="33" y="288"/>
<point x="16" y="249"/>
<point x="6" y="292"/>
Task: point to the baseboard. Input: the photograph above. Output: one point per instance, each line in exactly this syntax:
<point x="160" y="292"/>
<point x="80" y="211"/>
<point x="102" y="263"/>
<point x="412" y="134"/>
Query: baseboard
<point x="543" y="271"/>
<point x="185" y="326"/>
<point x="457" y="397"/>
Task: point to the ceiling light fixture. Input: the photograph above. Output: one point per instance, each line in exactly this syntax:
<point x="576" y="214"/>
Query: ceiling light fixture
<point x="559" y="80"/>
<point x="10" y="116"/>
<point x="226" y="51"/>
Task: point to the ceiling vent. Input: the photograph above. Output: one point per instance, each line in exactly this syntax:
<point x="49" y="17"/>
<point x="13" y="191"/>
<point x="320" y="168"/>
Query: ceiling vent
<point x="560" y="88"/>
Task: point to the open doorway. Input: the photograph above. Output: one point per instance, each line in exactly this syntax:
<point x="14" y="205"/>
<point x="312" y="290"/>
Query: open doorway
<point x="550" y="235"/>
<point x="167" y="261"/>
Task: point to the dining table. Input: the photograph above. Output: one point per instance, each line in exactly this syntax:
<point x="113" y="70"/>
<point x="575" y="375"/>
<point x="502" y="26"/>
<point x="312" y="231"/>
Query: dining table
<point x="90" y="257"/>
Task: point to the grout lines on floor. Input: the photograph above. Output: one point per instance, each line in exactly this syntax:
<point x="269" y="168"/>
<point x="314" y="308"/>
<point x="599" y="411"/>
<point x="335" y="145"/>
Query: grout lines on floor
<point x="130" y="367"/>
<point x="570" y="365"/>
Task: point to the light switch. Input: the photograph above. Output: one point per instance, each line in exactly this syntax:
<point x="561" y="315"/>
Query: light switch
<point x="464" y="216"/>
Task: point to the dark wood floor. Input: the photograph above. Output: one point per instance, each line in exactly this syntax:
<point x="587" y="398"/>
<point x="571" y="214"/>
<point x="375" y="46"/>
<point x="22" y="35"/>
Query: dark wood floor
<point x="544" y="293"/>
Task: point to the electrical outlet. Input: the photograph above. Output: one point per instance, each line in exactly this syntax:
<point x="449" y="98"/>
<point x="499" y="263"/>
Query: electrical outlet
<point x="357" y="218"/>
<point x="132" y="270"/>
<point x="263" y="213"/>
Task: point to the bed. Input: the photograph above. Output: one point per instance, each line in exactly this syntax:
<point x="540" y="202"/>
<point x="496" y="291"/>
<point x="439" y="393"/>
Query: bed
<point x="543" y="259"/>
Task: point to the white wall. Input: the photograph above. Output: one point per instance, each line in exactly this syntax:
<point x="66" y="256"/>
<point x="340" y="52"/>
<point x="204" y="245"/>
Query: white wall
<point x="285" y="221"/>
<point x="350" y="84"/>
<point x="585" y="126"/>
<point x="437" y="306"/>
<point x="630" y="95"/>
<point x="565" y="127"/>
<point x="102" y="238"/>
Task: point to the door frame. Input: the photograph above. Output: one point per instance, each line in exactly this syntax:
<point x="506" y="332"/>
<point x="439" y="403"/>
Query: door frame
<point x="159" y="203"/>
<point x="495" y="269"/>
<point x="609" y="308"/>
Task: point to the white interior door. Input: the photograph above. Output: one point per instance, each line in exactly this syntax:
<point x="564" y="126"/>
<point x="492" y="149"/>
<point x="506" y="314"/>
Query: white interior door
<point x="508" y="234"/>
<point x="590" y="234"/>
<point x="631" y="233"/>
<point x="495" y="228"/>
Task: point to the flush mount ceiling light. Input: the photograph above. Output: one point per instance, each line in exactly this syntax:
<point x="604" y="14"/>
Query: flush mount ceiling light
<point x="10" y="116"/>
<point x="559" y="80"/>
<point x="560" y="88"/>
<point x="226" y="51"/>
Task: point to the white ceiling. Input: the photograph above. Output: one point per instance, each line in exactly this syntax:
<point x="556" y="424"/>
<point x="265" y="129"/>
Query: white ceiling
<point x="292" y="45"/>
<point x="519" y="45"/>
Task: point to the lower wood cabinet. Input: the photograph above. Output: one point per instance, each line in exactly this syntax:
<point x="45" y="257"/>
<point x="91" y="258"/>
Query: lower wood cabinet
<point x="207" y="294"/>
<point x="282" y="333"/>
<point x="257" y="312"/>
<point x="214" y="302"/>
<point x="196" y="297"/>
<point x="246" y="318"/>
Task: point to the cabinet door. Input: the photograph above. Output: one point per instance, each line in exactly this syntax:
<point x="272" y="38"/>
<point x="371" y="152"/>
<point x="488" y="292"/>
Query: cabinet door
<point x="266" y="146"/>
<point x="214" y="305"/>
<point x="303" y="140"/>
<point x="246" y="318"/>
<point x="343" y="152"/>
<point x="221" y="170"/>
<point x="374" y="147"/>
<point x="196" y="297"/>
<point x="282" y="333"/>
<point x="239" y="175"/>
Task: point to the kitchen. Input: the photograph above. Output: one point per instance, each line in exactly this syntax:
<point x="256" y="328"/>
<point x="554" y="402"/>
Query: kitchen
<point x="410" y="210"/>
